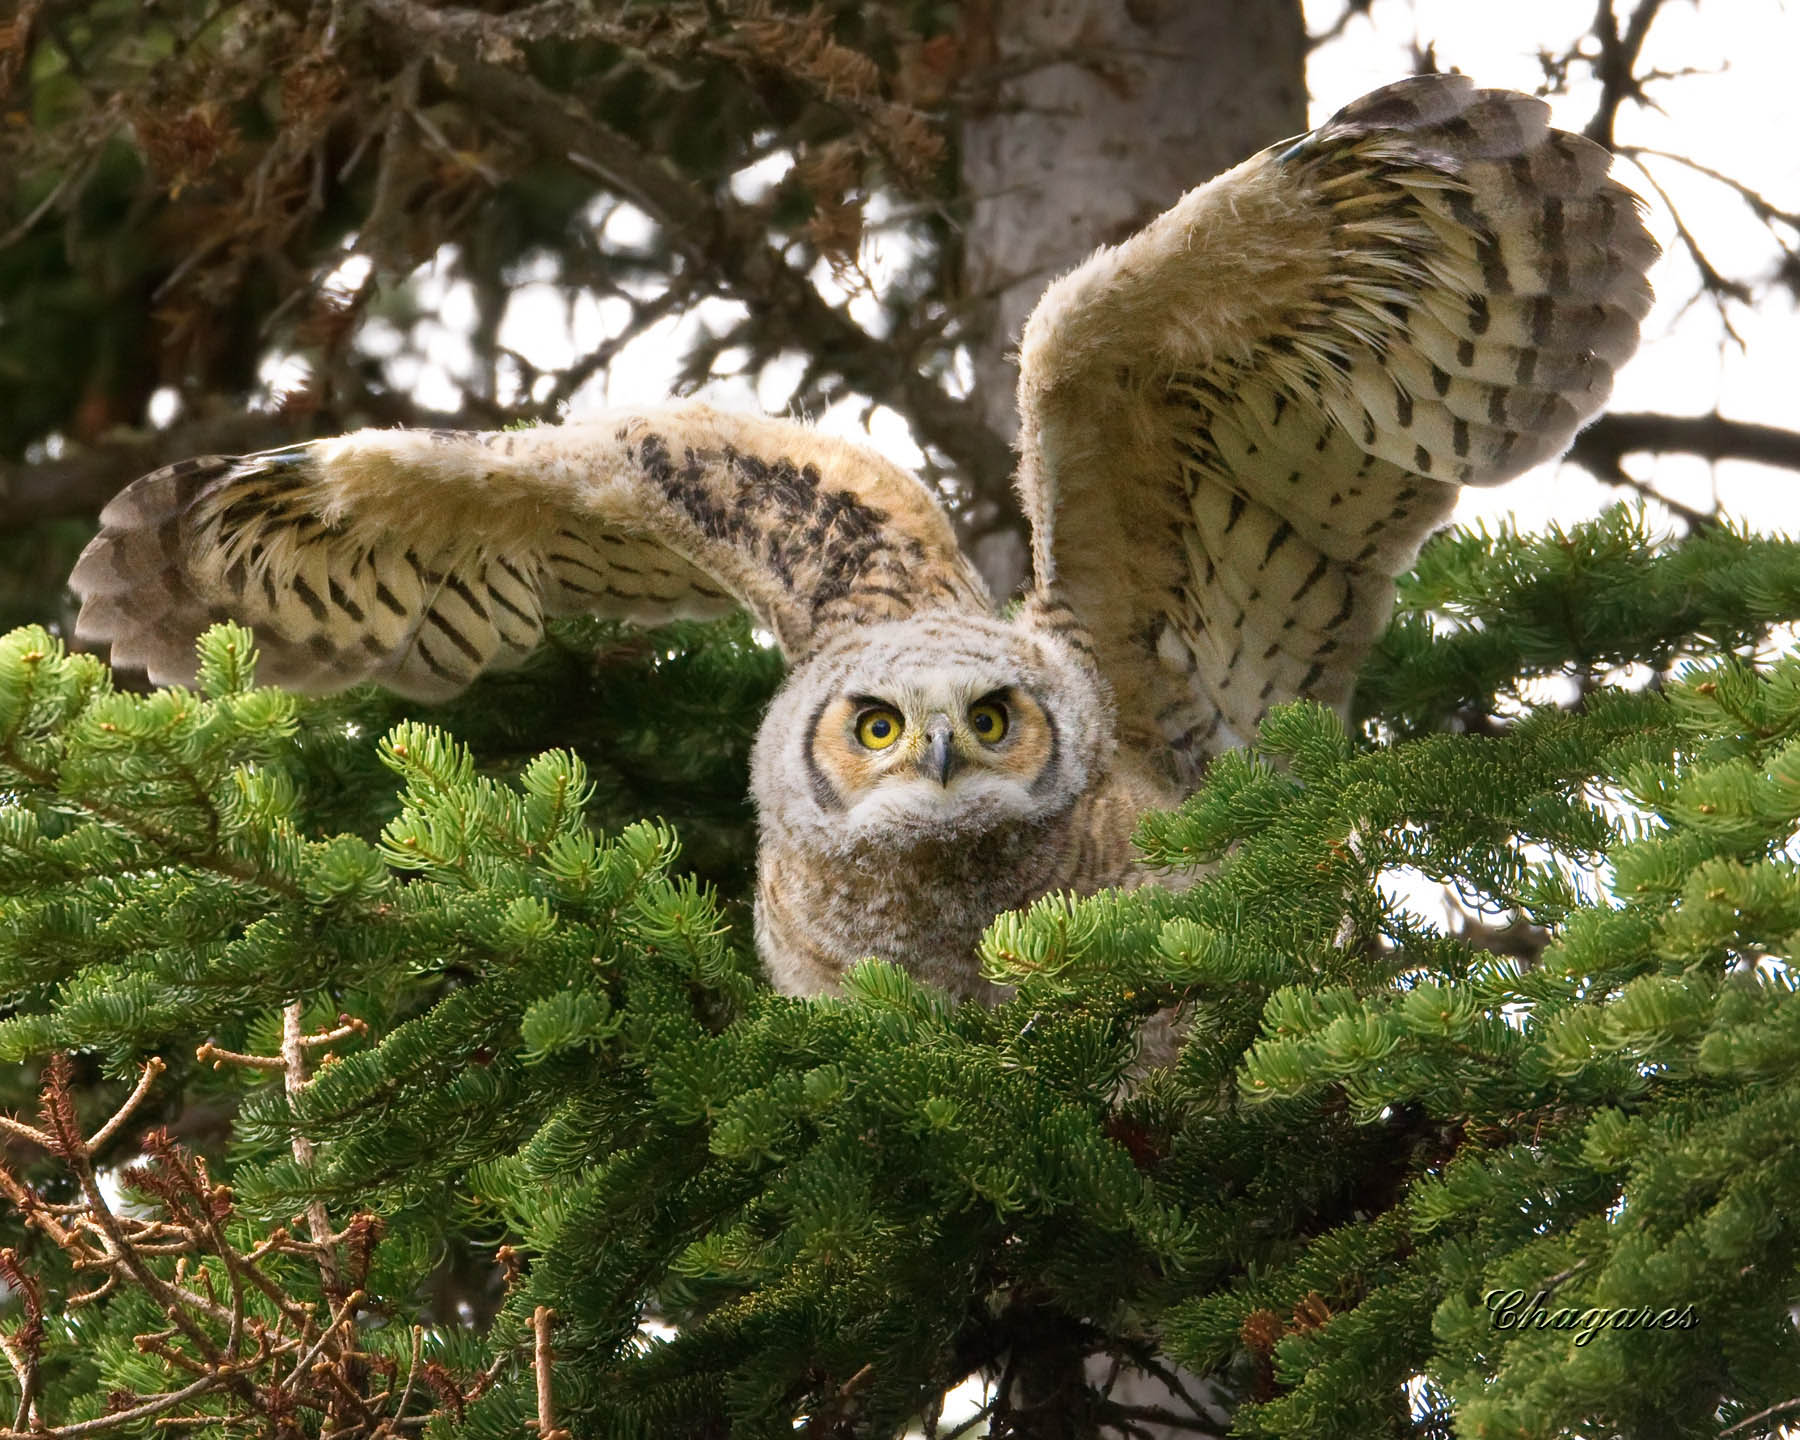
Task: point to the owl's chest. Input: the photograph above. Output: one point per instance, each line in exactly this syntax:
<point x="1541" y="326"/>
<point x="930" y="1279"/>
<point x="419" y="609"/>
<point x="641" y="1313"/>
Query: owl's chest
<point x="925" y="907"/>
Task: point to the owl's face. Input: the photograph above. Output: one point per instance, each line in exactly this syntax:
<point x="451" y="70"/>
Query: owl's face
<point x="937" y="728"/>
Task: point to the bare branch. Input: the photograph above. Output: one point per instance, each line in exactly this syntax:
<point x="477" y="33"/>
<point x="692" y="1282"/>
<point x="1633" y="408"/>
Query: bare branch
<point x="293" y="1056"/>
<point x="118" y="1418"/>
<point x="1602" y="447"/>
<point x="1781" y="1408"/>
<point x="31" y="1206"/>
<point x="338" y="1322"/>
<point x="1616" y="65"/>
<point x="152" y="1068"/>
<point x="560" y="20"/>
<point x="347" y="1026"/>
<point x="19" y="1130"/>
<point x="1718" y="287"/>
<point x="1352" y="8"/>
<point x="24" y="1347"/>
<point x="1760" y="206"/>
<point x="1713" y="437"/>
<point x="541" y="1357"/>
<point x="211" y="1054"/>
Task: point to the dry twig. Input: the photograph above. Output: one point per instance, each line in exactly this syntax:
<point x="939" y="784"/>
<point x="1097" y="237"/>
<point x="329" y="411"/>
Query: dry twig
<point x="249" y="1355"/>
<point x="541" y="1357"/>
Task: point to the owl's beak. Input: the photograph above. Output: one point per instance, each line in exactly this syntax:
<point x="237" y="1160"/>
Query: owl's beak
<point x="939" y="757"/>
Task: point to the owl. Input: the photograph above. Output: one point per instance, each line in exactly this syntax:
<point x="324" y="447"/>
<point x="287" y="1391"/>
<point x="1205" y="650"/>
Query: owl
<point x="1235" y="429"/>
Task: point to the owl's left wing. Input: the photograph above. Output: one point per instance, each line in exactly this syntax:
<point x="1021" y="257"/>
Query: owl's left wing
<point x="1240" y="424"/>
<point x="417" y="559"/>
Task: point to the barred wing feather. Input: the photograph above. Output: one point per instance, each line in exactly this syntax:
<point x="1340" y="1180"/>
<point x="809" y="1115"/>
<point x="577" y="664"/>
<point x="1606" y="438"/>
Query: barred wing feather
<point x="418" y="559"/>
<point x="1240" y="424"/>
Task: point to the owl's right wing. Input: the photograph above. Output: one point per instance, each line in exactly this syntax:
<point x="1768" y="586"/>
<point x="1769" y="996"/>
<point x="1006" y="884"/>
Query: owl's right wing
<point x="1238" y="426"/>
<point x="417" y="559"/>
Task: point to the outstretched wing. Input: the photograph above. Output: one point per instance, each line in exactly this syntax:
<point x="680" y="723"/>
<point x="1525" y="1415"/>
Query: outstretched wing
<point x="1240" y="424"/>
<point x="418" y="559"/>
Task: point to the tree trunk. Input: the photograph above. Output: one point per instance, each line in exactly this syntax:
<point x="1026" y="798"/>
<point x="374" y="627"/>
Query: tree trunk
<point x="1092" y="117"/>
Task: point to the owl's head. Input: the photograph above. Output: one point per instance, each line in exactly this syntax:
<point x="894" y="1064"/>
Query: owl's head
<point x="936" y="728"/>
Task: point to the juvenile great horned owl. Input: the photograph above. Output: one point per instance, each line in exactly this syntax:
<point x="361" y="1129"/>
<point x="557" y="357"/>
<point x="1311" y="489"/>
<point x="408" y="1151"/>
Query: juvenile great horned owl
<point x="1236" y="428"/>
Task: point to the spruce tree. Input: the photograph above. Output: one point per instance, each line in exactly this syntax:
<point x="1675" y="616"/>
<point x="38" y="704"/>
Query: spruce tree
<point x="389" y="1070"/>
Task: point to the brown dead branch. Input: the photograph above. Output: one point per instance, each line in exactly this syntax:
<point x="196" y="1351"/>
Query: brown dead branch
<point x="541" y="1358"/>
<point x="234" y="1336"/>
<point x="295" y="1075"/>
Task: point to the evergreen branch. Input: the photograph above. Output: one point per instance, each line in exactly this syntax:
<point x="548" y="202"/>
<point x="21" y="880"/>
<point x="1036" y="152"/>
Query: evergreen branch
<point x="1584" y="601"/>
<point x="888" y="1188"/>
<point x="167" y="842"/>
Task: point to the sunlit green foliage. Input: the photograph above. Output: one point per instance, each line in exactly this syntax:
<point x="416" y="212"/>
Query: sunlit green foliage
<point x="1380" y="1126"/>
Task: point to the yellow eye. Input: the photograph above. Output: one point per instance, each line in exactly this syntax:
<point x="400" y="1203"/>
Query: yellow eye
<point x="879" y="728"/>
<point x="988" y="721"/>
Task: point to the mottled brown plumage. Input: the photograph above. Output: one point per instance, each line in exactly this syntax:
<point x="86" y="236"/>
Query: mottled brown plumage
<point x="1236" y="428"/>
